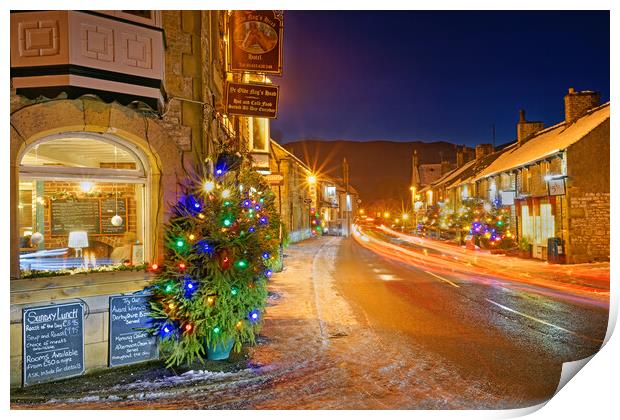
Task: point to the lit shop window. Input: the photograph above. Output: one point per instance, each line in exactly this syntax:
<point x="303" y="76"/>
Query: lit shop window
<point x="260" y="134"/>
<point x="81" y="204"/>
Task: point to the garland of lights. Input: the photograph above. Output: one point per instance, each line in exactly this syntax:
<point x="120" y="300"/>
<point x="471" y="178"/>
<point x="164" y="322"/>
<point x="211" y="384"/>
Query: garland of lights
<point x="221" y="245"/>
<point x="488" y="222"/>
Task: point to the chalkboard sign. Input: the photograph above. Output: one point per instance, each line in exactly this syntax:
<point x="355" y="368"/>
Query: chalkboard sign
<point x="69" y="215"/>
<point x="109" y="208"/>
<point x="94" y="215"/>
<point x="129" y="344"/>
<point x="53" y="342"/>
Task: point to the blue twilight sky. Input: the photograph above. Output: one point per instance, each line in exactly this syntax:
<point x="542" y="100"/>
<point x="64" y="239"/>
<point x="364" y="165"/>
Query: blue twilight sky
<point x="423" y="75"/>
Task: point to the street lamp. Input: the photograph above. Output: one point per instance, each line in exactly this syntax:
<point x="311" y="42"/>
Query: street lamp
<point x="311" y="179"/>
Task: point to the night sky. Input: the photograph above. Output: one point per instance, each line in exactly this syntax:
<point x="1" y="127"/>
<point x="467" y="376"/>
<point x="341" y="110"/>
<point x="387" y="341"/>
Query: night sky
<point x="432" y="76"/>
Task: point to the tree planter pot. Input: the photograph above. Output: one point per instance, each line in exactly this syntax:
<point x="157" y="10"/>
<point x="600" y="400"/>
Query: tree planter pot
<point x="220" y="351"/>
<point x="525" y="254"/>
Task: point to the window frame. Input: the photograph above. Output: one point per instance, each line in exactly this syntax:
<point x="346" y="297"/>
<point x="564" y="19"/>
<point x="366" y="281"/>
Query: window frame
<point x="141" y="175"/>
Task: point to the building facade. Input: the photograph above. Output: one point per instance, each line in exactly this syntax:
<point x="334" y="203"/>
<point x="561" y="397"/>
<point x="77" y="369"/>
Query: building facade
<point x="553" y="182"/>
<point x="110" y="111"/>
<point x="296" y="195"/>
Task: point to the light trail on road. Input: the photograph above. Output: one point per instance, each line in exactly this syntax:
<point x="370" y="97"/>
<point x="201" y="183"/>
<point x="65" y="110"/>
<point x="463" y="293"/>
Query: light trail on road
<point x="490" y="270"/>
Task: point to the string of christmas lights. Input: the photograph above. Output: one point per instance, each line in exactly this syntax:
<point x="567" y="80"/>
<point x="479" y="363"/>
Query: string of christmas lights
<point x="219" y="246"/>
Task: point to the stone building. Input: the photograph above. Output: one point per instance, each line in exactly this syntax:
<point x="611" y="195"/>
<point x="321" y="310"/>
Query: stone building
<point x="296" y="196"/>
<point x="555" y="181"/>
<point x="112" y="109"/>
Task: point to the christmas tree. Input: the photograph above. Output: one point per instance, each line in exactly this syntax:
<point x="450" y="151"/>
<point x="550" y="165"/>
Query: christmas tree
<point x="221" y="243"/>
<point x="317" y="223"/>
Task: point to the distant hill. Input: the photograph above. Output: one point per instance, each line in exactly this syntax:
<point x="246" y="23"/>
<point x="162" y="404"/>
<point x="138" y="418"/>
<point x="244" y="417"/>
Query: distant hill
<point x="379" y="170"/>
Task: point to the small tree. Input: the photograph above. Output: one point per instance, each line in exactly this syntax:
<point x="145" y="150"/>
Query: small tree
<point x="220" y="246"/>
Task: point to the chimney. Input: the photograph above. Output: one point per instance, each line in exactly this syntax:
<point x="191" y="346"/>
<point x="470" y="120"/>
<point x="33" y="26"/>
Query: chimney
<point x="483" y="150"/>
<point x="460" y="156"/>
<point x="527" y="129"/>
<point x="463" y="155"/>
<point x="445" y="165"/>
<point x="577" y="104"/>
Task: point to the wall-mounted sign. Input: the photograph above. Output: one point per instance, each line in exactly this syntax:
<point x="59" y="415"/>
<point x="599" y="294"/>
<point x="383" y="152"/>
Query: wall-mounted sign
<point x="255" y="41"/>
<point x="275" y="179"/>
<point x="507" y="197"/>
<point x="556" y="186"/>
<point x="252" y="99"/>
<point x="53" y="342"/>
<point x="128" y="342"/>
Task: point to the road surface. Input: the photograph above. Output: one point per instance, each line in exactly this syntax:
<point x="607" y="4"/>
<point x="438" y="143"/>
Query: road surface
<point x="371" y="323"/>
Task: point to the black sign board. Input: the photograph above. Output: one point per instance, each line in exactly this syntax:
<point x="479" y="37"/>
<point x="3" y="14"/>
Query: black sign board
<point x="109" y="208"/>
<point x="256" y="41"/>
<point x="94" y="215"/>
<point x="53" y="342"/>
<point x="252" y="99"/>
<point x="129" y="344"/>
<point x="69" y="215"/>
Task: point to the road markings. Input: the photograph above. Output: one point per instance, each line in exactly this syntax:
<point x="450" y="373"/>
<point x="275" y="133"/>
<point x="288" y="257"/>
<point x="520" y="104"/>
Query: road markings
<point x="442" y="279"/>
<point x="543" y="322"/>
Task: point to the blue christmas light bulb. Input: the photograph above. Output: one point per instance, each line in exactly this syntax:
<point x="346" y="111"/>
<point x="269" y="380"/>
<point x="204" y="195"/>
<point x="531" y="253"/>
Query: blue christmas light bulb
<point x="266" y="255"/>
<point x="254" y="315"/>
<point x="190" y="287"/>
<point x="166" y="330"/>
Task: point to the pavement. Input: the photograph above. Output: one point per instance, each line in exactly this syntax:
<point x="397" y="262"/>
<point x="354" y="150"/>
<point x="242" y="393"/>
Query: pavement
<point x="352" y="327"/>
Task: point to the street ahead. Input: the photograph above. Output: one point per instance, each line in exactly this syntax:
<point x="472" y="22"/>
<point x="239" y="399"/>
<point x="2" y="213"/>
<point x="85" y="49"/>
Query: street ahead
<point x="382" y="320"/>
<point x="512" y="334"/>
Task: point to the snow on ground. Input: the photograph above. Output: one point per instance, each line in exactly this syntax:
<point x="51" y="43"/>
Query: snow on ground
<point x="315" y="352"/>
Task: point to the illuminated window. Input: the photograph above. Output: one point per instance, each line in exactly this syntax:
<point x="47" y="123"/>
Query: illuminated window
<point x="82" y="201"/>
<point x="259" y="140"/>
<point x="527" y="223"/>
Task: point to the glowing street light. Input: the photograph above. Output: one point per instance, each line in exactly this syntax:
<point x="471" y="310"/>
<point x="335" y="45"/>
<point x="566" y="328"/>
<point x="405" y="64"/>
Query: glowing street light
<point x="311" y="179"/>
<point x="405" y="216"/>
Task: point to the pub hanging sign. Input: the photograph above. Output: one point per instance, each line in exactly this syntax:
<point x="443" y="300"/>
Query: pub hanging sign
<point x="255" y="41"/>
<point x="252" y="99"/>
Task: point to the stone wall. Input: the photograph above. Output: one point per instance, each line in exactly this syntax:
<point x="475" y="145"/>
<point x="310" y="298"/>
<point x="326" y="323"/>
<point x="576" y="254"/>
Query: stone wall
<point x="95" y="296"/>
<point x="588" y="197"/>
<point x="182" y="120"/>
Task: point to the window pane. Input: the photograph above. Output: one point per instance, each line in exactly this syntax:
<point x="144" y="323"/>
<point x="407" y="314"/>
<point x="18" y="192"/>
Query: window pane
<point x="77" y="152"/>
<point x="80" y="224"/>
<point x="260" y="134"/>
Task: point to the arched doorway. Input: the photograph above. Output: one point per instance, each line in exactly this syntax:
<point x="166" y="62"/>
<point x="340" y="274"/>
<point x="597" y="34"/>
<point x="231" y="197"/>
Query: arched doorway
<point x="83" y="202"/>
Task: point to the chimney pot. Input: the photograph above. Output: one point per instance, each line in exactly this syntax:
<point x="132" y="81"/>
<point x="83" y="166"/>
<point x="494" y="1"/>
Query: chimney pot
<point x="571" y="90"/>
<point x="522" y="115"/>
